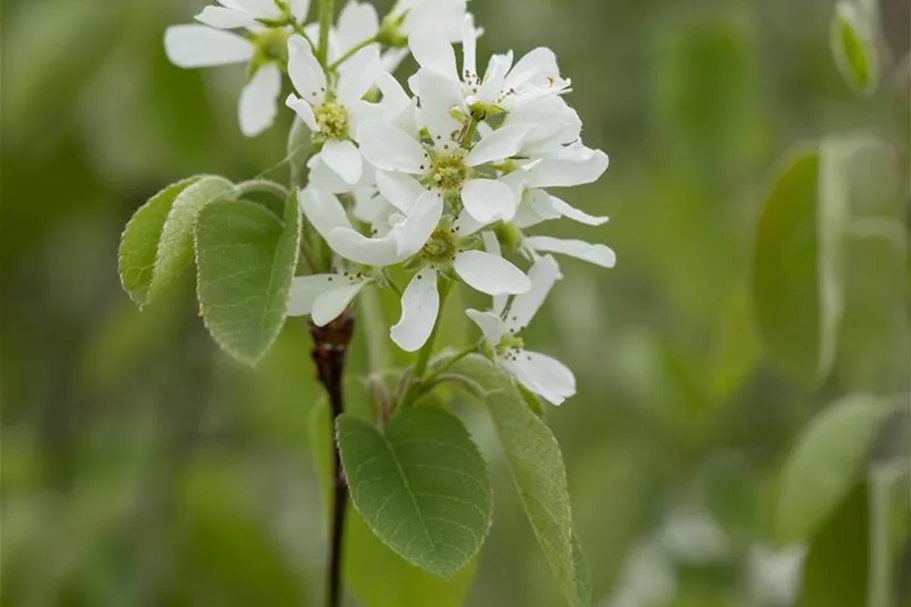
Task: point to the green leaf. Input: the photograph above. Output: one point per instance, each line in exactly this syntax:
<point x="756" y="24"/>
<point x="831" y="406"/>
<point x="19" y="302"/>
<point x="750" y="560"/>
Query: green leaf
<point x="583" y="580"/>
<point x="537" y="468"/>
<point x="735" y="348"/>
<point x="157" y="243"/>
<point x="825" y="463"/>
<point x="851" y="37"/>
<point x="246" y="259"/>
<point x="784" y="282"/>
<point x="834" y="216"/>
<point x="835" y="572"/>
<point x="422" y="487"/>
<point x="376" y="575"/>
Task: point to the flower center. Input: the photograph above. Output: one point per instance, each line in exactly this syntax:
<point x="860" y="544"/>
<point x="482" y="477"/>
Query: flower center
<point x="271" y="45"/>
<point x="441" y="247"/>
<point x="509" y="346"/>
<point x="332" y="120"/>
<point x="449" y="172"/>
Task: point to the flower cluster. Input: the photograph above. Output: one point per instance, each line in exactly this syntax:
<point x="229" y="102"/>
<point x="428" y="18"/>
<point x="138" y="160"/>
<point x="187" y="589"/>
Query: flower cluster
<point x="435" y="179"/>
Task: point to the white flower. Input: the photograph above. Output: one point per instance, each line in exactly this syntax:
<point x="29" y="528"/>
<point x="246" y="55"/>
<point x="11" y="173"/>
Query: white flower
<point x="324" y="296"/>
<point x="208" y="45"/>
<point x="439" y="18"/>
<point x="551" y="124"/>
<point x="539" y="373"/>
<point x="333" y="115"/>
<point x="414" y="235"/>
<point x="577" y="165"/>
<point x="406" y="165"/>
<point x="357" y="24"/>
<point x="233" y="14"/>
<point x="484" y="271"/>
<point x="598" y="254"/>
<point x="504" y="85"/>
<point x="405" y="237"/>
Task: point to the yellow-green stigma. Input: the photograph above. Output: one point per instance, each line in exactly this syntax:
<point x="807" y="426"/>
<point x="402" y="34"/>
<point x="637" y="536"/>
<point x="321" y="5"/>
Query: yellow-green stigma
<point x="449" y="172"/>
<point x="332" y="120"/>
<point x="271" y="45"/>
<point x="441" y="247"/>
<point x="509" y="342"/>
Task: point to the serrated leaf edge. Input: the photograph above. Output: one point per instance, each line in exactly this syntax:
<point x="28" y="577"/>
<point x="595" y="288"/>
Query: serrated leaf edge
<point x="135" y="217"/>
<point x="249" y="361"/>
<point x="486" y="532"/>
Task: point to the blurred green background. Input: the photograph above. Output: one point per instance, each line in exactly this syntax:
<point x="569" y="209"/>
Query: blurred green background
<point x="141" y="466"/>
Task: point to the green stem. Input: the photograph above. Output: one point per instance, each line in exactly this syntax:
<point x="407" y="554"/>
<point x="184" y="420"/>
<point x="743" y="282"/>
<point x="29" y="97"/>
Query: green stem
<point x="299" y="30"/>
<point x="468" y="133"/>
<point x="420" y="365"/>
<point x="391" y="283"/>
<point x="326" y="9"/>
<point x="261" y="185"/>
<point x="351" y="53"/>
<point x="456" y="358"/>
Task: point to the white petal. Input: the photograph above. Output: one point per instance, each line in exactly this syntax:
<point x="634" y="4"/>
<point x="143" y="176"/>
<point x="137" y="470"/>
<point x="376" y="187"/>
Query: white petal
<point x="490" y="324"/>
<point x="201" y="46"/>
<point x="305" y="72"/>
<point x="305" y="290"/>
<point x="299" y="9"/>
<point x="395" y="99"/>
<point x="330" y="304"/>
<point x="323" y="210"/>
<point x="543" y="275"/>
<point x="499" y="145"/>
<point x="492" y="85"/>
<point x="303" y="110"/>
<point x="550" y="120"/>
<point x="389" y="148"/>
<point x="443" y="18"/>
<point x="258" y="101"/>
<point x="575" y="214"/>
<point x="420" y="307"/>
<point x="400" y="190"/>
<point x="488" y="200"/>
<point x="371" y="208"/>
<point x="344" y="158"/>
<point x="490" y="274"/>
<point x="392" y="58"/>
<point x="466" y="225"/>
<point x="597" y="254"/>
<point x="439" y="95"/>
<point x="433" y="52"/>
<point x="353" y="245"/>
<point x="536" y="206"/>
<point x="535" y="67"/>
<point x="325" y="179"/>
<point x="516" y="182"/>
<point x="555" y="173"/>
<point x="358" y="74"/>
<point x="469" y="49"/>
<point x="224" y="18"/>
<point x="492" y="246"/>
<point x="357" y="22"/>
<point x="542" y="375"/>
<point x="422" y="220"/>
<point x="263" y="9"/>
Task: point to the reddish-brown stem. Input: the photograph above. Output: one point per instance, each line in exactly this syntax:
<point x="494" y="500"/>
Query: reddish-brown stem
<point x="330" y="348"/>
